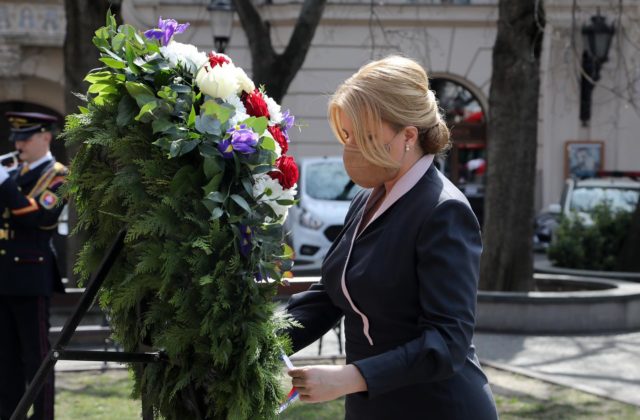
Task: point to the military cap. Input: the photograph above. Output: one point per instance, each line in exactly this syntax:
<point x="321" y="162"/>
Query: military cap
<point x="25" y="124"/>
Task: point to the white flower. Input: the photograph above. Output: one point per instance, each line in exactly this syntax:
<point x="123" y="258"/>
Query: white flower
<point x="241" y="111"/>
<point x="275" y="114"/>
<point x="269" y="191"/>
<point x="244" y="83"/>
<point x="186" y="54"/>
<point x="217" y="82"/>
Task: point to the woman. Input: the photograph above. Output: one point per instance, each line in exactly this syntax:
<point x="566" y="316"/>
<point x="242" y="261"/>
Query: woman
<point x="404" y="269"/>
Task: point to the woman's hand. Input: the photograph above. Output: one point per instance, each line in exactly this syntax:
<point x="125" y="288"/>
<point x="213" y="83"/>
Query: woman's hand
<point x="325" y="382"/>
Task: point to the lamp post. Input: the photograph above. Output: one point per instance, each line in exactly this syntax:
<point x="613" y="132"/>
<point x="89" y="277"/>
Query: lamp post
<point x="597" y="40"/>
<point x="221" y="20"/>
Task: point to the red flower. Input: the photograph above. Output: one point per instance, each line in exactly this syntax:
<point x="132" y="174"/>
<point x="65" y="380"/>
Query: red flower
<point x="279" y="137"/>
<point x="217" y="59"/>
<point x="287" y="174"/>
<point x="255" y="104"/>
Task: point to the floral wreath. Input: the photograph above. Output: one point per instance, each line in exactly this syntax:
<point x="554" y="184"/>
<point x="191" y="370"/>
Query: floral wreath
<point x="182" y="148"/>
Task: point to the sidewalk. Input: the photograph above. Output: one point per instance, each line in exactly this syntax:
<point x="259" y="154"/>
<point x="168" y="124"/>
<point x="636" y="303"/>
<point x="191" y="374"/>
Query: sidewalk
<point x="605" y="365"/>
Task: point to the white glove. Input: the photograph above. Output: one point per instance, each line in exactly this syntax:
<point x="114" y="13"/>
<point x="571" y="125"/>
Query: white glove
<point x="4" y="174"/>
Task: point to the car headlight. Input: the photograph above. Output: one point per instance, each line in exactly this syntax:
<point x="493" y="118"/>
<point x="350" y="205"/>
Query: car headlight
<point x="308" y="220"/>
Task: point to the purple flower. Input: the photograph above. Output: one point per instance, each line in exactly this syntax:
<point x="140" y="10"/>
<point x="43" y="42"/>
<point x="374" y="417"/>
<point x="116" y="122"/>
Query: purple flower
<point x="165" y="30"/>
<point x="226" y="148"/>
<point x="287" y="120"/>
<point x="242" y="140"/>
<point x="245" y="240"/>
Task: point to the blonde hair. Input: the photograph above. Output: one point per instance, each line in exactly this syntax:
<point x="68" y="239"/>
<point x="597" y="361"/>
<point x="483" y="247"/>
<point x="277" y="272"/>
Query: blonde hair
<point x="394" y="90"/>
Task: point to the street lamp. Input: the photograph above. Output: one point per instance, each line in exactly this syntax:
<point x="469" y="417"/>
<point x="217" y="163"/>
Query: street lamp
<point x="221" y="20"/>
<point x="597" y="40"/>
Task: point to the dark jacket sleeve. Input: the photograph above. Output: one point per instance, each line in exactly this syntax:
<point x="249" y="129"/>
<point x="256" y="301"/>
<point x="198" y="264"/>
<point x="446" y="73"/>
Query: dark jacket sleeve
<point x="448" y="259"/>
<point x="313" y="309"/>
<point x="41" y="211"/>
<point x="316" y="313"/>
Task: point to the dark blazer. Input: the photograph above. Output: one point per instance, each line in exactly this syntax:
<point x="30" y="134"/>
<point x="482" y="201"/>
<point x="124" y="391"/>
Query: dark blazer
<point x="413" y="274"/>
<point x="30" y="208"/>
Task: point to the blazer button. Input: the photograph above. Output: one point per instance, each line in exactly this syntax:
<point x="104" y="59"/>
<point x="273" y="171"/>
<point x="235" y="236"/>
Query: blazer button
<point x="40" y="259"/>
<point x="16" y="259"/>
<point x="3" y="252"/>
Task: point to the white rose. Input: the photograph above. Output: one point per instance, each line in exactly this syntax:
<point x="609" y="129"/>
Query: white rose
<point x="244" y="83"/>
<point x="275" y="114"/>
<point x="186" y="54"/>
<point x="217" y="82"/>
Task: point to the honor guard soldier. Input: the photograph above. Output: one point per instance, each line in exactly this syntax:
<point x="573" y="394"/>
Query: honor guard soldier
<point x="30" y="206"/>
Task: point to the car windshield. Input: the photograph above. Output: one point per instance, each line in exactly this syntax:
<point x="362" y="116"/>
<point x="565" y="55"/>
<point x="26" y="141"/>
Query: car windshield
<point x="329" y="181"/>
<point x="584" y="199"/>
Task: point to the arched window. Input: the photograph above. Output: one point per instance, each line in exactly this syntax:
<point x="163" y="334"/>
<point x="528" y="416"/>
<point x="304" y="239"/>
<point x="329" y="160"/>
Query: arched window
<point x="466" y="163"/>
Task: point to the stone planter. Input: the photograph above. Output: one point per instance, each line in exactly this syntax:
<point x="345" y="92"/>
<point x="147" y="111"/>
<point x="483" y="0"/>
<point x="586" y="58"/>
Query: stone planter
<point x="591" y="305"/>
<point x="545" y="266"/>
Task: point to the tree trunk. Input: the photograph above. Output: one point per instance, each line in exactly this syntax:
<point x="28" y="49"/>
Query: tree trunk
<point x="276" y="71"/>
<point x="80" y="55"/>
<point x="507" y="261"/>
<point x="628" y="259"/>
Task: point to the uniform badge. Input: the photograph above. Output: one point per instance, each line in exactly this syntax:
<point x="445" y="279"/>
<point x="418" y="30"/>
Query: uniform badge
<point x="48" y="199"/>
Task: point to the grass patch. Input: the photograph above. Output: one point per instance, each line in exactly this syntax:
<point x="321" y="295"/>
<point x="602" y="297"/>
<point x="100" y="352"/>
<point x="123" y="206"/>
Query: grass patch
<point x="105" y="396"/>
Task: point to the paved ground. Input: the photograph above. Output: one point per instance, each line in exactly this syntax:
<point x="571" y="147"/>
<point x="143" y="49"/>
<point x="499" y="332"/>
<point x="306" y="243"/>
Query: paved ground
<point x="607" y="365"/>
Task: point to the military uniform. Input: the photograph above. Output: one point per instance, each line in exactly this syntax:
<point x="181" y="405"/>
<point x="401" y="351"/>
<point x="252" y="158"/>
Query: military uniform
<point x="30" y="207"/>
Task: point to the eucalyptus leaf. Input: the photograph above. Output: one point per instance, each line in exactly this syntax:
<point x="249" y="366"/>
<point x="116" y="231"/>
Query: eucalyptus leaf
<point x="161" y="125"/>
<point x="212" y="188"/>
<point x="241" y="202"/>
<point x="216" y="213"/>
<point x="212" y="166"/>
<point x="126" y="111"/>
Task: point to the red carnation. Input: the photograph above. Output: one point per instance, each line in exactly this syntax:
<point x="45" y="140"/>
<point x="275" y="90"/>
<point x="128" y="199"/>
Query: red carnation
<point x="278" y="136"/>
<point x="287" y="174"/>
<point x="255" y="104"/>
<point x="217" y="59"/>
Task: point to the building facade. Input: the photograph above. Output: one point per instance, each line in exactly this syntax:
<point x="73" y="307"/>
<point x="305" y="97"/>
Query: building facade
<point x="453" y="39"/>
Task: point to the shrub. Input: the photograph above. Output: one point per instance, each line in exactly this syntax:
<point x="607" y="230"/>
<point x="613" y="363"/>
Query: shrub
<point x="590" y="246"/>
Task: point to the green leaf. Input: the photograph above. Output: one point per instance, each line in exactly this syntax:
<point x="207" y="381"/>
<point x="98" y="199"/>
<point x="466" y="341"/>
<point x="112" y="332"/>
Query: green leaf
<point x="102" y="33"/>
<point x="268" y="143"/>
<point x="212" y="166"/>
<point x="113" y="63"/>
<point x="161" y="124"/>
<point x="213" y="109"/>
<point x="118" y="41"/>
<point x="257" y="124"/>
<point x="211" y="189"/>
<point x="181" y="147"/>
<point x="216" y="213"/>
<point x="192" y="117"/>
<point x="98" y="76"/>
<point x="241" y="202"/>
<point x="126" y="111"/>
<point x="206" y="279"/>
<point x="146" y="112"/>
<point x="140" y="92"/>
<point x="215" y="196"/>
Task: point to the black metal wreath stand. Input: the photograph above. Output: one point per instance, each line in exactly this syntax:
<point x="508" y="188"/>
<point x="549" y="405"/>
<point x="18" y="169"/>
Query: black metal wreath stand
<point x="59" y="352"/>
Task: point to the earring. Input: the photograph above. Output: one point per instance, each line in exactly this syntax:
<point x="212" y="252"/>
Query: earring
<point x="407" y="148"/>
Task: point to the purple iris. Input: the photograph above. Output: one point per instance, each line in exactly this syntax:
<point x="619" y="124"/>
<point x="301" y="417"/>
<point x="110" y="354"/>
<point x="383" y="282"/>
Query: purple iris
<point x="242" y="140"/>
<point x="287" y="123"/>
<point x="245" y="240"/>
<point x="165" y="30"/>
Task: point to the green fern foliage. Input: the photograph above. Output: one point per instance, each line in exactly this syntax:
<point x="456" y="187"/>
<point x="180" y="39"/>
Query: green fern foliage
<point x="180" y="284"/>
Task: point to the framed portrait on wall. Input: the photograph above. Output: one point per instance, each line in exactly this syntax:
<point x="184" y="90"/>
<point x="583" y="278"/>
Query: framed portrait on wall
<point x="583" y="158"/>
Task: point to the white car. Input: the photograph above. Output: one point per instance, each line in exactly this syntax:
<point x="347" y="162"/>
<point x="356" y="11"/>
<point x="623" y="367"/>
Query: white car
<point x="324" y="193"/>
<point x="581" y="196"/>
